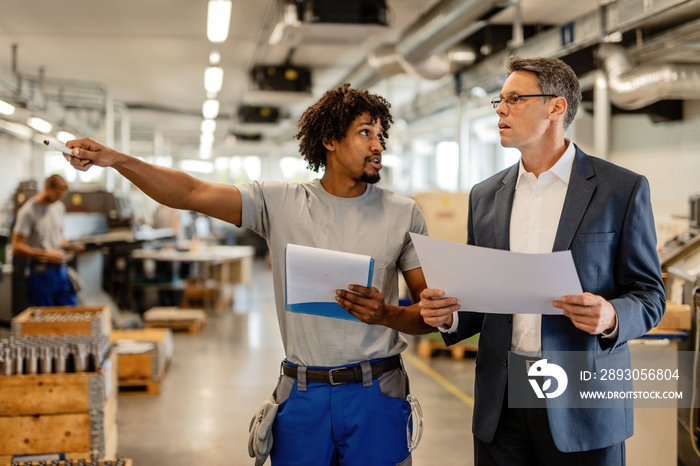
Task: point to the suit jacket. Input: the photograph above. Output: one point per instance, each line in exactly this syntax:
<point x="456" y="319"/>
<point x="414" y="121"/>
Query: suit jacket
<point x="608" y="225"/>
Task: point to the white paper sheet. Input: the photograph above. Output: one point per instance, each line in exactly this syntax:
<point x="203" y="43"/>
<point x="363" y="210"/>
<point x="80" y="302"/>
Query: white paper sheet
<point x="313" y="275"/>
<point x="496" y="281"/>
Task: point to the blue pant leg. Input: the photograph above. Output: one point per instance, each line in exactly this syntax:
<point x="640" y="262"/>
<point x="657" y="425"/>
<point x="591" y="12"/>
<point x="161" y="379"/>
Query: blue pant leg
<point x="374" y="426"/>
<point x="41" y="285"/>
<point x="64" y="292"/>
<point x="302" y="428"/>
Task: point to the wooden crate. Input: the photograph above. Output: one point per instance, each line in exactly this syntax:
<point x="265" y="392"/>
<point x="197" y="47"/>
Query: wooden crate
<point x="189" y="320"/>
<point x="7" y="461"/>
<point x="144" y="370"/>
<point x="25" y="324"/>
<point x="66" y="413"/>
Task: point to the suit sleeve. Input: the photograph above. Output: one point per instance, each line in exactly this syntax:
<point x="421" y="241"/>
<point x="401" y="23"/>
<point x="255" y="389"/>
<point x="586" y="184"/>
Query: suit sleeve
<point x="642" y="302"/>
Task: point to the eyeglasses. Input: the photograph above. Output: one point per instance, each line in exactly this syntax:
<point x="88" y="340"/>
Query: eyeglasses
<point x="514" y="99"/>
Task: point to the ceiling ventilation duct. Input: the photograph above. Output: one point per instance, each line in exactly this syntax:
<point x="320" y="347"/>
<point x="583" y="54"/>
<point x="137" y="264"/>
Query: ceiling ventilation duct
<point x="426" y="48"/>
<point x="634" y="88"/>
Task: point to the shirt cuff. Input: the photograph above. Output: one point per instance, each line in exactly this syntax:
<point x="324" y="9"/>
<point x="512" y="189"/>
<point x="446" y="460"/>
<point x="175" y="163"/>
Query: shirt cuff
<point x="455" y="322"/>
<point x="614" y="332"/>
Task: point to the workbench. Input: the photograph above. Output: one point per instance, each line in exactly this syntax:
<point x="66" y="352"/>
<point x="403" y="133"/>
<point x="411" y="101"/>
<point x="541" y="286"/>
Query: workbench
<point x="215" y="268"/>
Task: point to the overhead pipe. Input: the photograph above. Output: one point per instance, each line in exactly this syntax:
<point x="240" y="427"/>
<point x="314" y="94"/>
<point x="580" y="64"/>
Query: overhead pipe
<point x="423" y="49"/>
<point x="634" y="88"/>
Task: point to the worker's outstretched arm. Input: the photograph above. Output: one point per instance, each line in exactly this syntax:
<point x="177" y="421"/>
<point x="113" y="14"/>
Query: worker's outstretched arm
<point x="173" y="188"/>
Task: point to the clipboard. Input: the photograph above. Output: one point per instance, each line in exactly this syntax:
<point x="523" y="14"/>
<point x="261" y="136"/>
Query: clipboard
<point x="312" y="275"/>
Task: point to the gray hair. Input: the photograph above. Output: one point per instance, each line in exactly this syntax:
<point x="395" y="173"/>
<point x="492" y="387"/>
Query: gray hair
<point x="553" y="77"/>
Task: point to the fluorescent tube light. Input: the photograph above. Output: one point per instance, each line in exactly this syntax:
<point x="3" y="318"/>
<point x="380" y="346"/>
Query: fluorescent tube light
<point x="206" y="139"/>
<point x="218" y="19"/>
<point x="20" y="130"/>
<point x="208" y="126"/>
<point x="40" y="125"/>
<point x="210" y="109"/>
<point x="64" y="136"/>
<point x="213" y="78"/>
<point x="197" y="166"/>
<point x="6" y="108"/>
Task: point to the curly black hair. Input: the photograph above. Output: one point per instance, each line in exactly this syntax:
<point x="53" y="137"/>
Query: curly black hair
<point x="330" y="118"/>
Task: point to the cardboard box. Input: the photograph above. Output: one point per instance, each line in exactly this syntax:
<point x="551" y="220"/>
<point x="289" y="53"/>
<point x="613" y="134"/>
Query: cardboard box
<point x="676" y="317"/>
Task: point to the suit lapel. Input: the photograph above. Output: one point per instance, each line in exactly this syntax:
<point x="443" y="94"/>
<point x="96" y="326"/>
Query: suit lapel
<point x="503" y="208"/>
<point x="578" y="196"/>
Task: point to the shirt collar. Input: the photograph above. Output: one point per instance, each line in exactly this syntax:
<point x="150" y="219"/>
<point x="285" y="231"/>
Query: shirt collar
<point x="561" y="169"/>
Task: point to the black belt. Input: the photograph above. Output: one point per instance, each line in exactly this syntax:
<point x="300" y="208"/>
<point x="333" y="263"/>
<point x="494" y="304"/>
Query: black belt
<point x="341" y="375"/>
<point x="50" y="265"/>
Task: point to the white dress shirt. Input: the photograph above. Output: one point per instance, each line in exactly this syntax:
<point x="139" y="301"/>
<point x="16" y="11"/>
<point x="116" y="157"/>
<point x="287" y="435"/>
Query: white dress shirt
<point x="537" y="207"/>
<point x="534" y="219"/>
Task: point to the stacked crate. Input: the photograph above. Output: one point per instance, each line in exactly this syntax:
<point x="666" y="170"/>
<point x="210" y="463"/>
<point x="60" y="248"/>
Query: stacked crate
<point x="73" y="414"/>
<point x="143" y="369"/>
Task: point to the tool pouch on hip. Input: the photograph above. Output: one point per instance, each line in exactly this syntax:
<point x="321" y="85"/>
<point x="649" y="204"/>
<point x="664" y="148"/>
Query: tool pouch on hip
<point x="260" y="437"/>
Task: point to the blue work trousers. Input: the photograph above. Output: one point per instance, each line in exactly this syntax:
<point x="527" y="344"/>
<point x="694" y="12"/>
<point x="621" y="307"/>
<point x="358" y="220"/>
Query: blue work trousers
<point x="49" y="285"/>
<point x="345" y="425"/>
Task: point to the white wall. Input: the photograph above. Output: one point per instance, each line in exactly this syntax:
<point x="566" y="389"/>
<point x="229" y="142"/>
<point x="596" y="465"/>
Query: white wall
<point x="668" y="154"/>
<point x="16" y="164"/>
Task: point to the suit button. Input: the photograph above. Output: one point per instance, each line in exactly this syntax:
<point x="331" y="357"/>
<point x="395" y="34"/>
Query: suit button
<point x="510" y="318"/>
<point x="505" y="363"/>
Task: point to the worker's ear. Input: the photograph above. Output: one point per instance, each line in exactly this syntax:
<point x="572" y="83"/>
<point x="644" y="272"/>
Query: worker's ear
<point x="329" y="145"/>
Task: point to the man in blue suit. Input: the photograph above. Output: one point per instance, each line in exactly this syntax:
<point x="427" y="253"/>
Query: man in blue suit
<point x="557" y="198"/>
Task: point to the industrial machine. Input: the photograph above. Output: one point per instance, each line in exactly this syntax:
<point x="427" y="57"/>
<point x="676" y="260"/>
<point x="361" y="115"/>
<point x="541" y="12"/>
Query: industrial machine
<point x="680" y="262"/>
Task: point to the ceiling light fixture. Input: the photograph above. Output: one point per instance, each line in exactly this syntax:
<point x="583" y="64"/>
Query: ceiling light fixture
<point x="208" y="126"/>
<point x="218" y="19"/>
<point x="40" y="125"/>
<point x="206" y="139"/>
<point x="213" y="78"/>
<point x="214" y="58"/>
<point x="6" y="108"/>
<point x="210" y="109"/>
<point x="20" y="130"/>
<point x="65" y="136"/>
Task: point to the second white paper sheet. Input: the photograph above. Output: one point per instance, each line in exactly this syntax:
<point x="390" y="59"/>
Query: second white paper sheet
<point x="496" y="281"/>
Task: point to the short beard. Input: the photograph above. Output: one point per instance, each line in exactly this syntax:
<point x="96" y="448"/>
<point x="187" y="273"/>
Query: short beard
<point x="371" y="179"/>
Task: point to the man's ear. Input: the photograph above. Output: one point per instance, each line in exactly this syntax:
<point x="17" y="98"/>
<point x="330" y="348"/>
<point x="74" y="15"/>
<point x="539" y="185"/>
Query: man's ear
<point x="330" y="145"/>
<point x="558" y="109"/>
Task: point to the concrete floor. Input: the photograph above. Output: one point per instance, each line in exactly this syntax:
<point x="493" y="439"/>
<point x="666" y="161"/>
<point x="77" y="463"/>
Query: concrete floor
<point x="218" y="376"/>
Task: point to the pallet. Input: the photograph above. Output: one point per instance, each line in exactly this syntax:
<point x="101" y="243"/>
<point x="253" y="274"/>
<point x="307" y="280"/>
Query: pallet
<point x="427" y="346"/>
<point x="143" y="372"/>
<point x="187" y="326"/>
<point x="139" y="387"/>
<point x="176" y="319"/>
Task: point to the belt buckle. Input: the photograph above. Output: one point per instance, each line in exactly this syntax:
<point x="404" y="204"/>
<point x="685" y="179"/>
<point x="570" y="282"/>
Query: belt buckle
<point x="330" y="376"/>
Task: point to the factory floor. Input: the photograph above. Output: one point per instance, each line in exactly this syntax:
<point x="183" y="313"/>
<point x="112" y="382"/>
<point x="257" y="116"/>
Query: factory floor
<point x="218" y="376"/>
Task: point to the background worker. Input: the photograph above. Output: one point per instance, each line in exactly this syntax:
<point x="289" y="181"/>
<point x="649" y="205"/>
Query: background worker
<point x="557" y="198"/>
<point x="38" y="235"/>
<point x="345" y="133"/>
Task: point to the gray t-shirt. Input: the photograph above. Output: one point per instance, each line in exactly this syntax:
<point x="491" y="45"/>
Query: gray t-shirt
<point x="42" y="225"/>
<point x="375" y="224"/>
